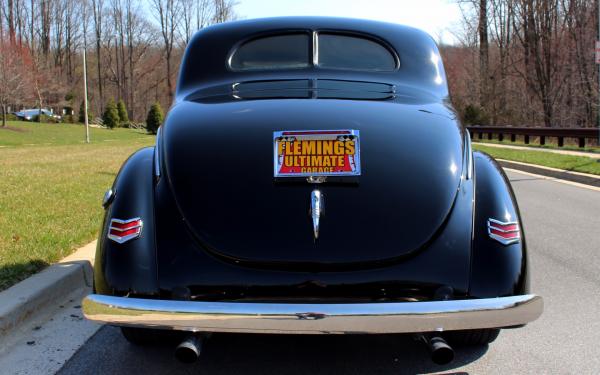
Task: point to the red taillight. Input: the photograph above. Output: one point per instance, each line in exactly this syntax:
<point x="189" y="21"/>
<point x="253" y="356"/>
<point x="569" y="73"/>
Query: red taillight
<point x="124" y="230"/>
<point x="505" y="233"/>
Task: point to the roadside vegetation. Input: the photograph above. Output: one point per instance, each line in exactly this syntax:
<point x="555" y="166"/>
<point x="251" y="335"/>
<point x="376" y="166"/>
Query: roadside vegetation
<point x="549" y="145"/>
<point x="568" y="162"/>
<point x="51" y="187"/>
<point x="20" y="133"/>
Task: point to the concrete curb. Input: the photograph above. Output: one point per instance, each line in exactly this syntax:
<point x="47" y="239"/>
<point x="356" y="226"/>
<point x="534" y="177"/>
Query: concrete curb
<point x="581" y="178"/>
<point x="24" y="300"/>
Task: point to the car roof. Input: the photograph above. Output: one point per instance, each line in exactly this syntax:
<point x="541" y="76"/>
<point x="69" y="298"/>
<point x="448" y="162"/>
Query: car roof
<point x="205" y="62"/>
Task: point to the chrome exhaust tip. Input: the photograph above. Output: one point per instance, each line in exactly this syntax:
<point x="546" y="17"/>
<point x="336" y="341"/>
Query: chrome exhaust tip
<point x="441" y="352"/>
<point x="189" y="350"/>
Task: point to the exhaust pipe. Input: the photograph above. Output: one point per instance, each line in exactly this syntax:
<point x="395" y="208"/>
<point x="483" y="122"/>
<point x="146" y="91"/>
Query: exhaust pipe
<point x="189" y="350"/>
<point x="441" y="352"/>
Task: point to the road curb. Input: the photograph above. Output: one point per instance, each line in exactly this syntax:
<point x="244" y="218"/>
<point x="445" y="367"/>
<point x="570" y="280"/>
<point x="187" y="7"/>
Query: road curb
<point x="581" y="178"/>
<point x="25" y="299"/>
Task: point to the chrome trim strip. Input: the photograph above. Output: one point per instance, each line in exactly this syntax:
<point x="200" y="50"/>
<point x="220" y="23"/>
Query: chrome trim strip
<point x="504" y="241"/>
<point x="109" y="196"/>
<point x="490" y="220"/>
<point x="502" y="230"/>
<point x="124" y="239"/>
<point x="126" y="229"/>
<point x="120" y="221"/>
<point x="317" y="206"/>
<point x="315" y="46"/>
<point x="469" y="150"/>
<point x="389" y="317"/>
<point x="156" y="153"/>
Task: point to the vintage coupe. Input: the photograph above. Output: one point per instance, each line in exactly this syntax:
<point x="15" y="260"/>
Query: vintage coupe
<point x="312" y="177"/>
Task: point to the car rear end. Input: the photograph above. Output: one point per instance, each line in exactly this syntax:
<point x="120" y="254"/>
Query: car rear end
<point x="297" y="191"/>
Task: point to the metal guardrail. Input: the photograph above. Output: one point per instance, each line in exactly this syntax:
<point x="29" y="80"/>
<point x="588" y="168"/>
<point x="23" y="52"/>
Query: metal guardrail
<point x="560" y="133"/>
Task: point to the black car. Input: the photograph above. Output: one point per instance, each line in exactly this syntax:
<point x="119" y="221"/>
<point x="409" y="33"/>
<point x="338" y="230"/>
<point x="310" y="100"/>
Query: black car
<point x="312" y="177"/>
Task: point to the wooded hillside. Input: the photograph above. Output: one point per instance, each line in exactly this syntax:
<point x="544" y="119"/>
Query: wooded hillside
<point x="525" y="62"/>
<point x="518" y="62"/>
<point x="133" y="50"/>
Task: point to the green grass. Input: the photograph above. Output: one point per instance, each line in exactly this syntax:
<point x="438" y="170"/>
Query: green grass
<point x="548" y="145"/>
<point x="568" y="162"/>
<point x="51" y="187"/>
<point x="19" y="133"/>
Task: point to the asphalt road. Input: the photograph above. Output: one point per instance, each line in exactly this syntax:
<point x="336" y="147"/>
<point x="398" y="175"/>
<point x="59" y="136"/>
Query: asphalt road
<point x="562" y="224"/>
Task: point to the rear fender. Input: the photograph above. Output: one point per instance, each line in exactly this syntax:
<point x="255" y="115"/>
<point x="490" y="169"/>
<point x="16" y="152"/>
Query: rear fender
<point x="497" y="270"/>
<point x="129" y="267"/>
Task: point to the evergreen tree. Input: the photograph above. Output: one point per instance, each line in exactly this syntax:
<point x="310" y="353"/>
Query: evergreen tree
<point x="155" y="118"/>
<point x="123" y="116"/>
<point x="111" y="115"/>
<point x="81" y="117"/>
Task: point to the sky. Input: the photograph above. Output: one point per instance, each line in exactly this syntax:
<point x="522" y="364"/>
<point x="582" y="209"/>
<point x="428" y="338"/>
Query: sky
<point x="437" y="17"/>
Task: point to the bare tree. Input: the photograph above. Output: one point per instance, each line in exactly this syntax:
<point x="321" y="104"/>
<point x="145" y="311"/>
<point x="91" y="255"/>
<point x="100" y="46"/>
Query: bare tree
<point x="45" y="12"/>
<point x="132" y="58"/>
<point x="482" y="29"/>
<point x="168" y="14"/>
<point x="31" y="26"/>
<point x="204" y="13"/>
<point x="13" y="75"/>
<point x="98" y="10"/>
<point x="195" y="15"/>
<point x="1" y="20"/>
<point x="10" y="18"/>
<point x="187" y="14"/>
<point x="224" y="10"/>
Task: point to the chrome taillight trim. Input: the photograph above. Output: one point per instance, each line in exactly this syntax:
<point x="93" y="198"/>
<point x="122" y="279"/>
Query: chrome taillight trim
<point x="500" y="226"/>
<point x="122" y="239"/>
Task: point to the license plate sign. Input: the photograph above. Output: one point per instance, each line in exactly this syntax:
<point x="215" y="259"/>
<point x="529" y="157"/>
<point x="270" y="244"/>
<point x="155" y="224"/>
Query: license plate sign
<point x="316" y="153"/>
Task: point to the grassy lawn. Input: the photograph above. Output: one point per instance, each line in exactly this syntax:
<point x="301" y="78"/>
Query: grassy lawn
<point x="21" y="133"/>
<point x="51" y="186"/>
<point x="549" y="145"/>
<point x="548" y="159"/>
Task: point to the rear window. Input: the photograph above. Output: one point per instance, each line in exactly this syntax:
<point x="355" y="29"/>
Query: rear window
<point x="349" y="52"/>
<point x="290" y="51"/>
<point x="331" y="51"/>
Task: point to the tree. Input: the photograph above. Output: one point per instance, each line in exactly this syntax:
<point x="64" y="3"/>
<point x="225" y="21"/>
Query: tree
<point x="123" y="117"/>
<point x="168" y="14"/>
<point x="539" y="63"/>
<point x="14" y="75"/>
<point x="81" y="117"/>
<point x="201" y="11"/>
<point x="223" y="10"/>
<point x="483" y="53"/>
<point x="474" y="115"/>
<point x="133" y="51"/>
<point x="11" y="21"/>
<point x="110" y="118"/>
<point x="155" y="118"/>
<point x="98" y="9"/>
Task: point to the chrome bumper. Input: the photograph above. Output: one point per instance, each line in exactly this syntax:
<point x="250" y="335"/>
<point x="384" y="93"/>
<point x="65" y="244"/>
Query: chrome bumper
<point x="388" y="317"/>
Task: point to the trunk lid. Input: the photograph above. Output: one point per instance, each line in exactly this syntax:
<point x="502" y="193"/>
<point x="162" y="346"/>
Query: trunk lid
<point x="218" y="157"/>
